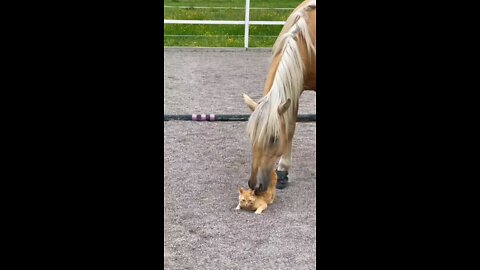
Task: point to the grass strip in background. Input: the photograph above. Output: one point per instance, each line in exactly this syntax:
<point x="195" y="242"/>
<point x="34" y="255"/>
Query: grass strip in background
<point x="223" y="35"/>
<point x="234" y="3"/>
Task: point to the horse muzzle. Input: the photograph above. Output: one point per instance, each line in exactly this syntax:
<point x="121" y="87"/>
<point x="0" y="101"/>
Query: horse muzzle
<point x="260" y="182"/>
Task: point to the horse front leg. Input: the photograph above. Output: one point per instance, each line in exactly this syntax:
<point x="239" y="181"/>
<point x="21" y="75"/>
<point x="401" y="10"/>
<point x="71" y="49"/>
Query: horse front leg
<point x="285" y="161"/>
<point x="283" y="167"/>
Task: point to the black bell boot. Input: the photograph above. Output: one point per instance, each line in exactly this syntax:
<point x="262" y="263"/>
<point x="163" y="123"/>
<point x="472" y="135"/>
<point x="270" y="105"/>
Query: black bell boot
<point x="282" y="179"/>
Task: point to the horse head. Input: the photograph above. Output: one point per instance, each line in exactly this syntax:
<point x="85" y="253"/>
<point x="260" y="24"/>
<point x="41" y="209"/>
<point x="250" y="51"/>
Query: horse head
<point x="268" y="135"/>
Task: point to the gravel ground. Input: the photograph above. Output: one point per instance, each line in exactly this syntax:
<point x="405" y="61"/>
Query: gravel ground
<point x="206" y="163"/>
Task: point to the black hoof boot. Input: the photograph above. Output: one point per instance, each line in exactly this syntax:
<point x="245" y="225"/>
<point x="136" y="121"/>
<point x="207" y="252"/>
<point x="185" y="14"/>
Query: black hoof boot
<point x="282" y="179"/>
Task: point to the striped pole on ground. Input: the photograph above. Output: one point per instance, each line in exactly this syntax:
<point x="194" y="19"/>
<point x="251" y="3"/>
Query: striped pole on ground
<point x="226" y="117"/>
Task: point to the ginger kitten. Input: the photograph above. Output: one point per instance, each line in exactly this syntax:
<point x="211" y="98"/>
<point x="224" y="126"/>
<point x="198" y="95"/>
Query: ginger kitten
<point x="248" y="200"/>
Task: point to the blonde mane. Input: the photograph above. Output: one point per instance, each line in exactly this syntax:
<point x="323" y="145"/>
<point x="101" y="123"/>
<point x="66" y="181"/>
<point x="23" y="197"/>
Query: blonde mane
<point x="264" y="123"/>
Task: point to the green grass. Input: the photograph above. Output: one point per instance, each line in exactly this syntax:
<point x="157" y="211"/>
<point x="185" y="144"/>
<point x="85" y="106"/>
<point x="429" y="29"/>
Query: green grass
<point x="225" y="14"/>
<point x="223" y="35"/>
<point x="234" y="3"/>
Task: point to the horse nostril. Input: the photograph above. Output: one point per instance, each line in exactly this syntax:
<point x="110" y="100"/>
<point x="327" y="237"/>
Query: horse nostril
<point x="259" y="188"/>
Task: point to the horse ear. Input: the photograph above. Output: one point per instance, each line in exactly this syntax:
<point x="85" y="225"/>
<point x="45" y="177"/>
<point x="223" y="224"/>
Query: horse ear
<point x="250" y="103"/>
<point x="282" y="108"/>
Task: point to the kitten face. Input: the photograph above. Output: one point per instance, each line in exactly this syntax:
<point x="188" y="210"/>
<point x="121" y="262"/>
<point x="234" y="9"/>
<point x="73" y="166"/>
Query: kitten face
<point x="247" y="198"/>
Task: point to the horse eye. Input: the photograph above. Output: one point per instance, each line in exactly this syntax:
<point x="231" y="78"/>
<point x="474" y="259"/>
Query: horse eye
<point x="273" y="140"/>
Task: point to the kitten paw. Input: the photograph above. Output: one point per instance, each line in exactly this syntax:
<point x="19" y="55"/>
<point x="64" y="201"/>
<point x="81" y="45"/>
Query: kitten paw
<point x="258" y="213"/>
<point x="237" y="208"/>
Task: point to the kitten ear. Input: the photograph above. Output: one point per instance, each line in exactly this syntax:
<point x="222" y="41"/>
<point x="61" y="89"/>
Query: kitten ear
<point x="241" y="190"/>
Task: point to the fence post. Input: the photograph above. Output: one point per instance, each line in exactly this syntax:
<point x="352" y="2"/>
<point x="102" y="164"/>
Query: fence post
<point x="247" y="21"/>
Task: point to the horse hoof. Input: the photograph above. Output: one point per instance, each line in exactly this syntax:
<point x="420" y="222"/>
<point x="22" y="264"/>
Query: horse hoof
<point x="282" y="179"/>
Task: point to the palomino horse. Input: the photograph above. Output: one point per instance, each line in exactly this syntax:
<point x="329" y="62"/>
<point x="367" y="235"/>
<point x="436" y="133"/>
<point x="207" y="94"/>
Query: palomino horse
<point x="271" y="125"/>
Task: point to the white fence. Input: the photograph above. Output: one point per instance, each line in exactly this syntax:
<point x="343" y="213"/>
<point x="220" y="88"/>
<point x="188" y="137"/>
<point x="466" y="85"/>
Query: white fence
<point x="246" y="22"/>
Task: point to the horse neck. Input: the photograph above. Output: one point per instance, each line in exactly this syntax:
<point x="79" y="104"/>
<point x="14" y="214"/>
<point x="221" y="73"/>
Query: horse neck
<point x="294" y="55"/>
<point x="274" y="75"/>
<point x="284" y="81"/>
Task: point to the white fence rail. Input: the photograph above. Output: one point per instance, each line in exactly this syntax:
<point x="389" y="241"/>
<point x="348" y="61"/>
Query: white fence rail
<point x="222" y="22"/>
<point x="246" y="22"/>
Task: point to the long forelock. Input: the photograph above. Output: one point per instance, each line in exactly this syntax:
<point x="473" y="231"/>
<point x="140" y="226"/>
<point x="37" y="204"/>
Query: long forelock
<point x="264" y="122"/>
